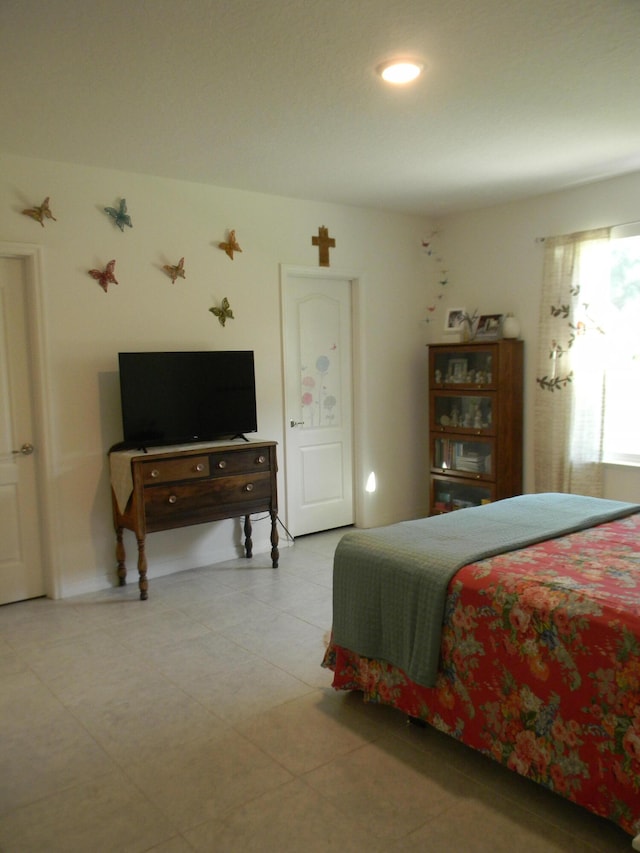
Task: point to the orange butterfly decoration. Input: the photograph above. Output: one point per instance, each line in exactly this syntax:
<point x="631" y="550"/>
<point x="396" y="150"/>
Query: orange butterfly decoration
<point x="40" y="213"/>
<point x="231" y="245"/>
<point x="106" y="276"/>
<point x="176" y="271"/>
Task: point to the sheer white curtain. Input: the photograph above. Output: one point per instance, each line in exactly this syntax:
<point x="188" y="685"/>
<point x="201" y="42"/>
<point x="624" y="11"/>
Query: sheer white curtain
<point x="569" y="408"/>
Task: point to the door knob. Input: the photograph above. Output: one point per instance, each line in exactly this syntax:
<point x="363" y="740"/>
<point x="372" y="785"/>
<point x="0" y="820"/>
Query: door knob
<point x="296" y="423"/>
<point x="26" y="449"/>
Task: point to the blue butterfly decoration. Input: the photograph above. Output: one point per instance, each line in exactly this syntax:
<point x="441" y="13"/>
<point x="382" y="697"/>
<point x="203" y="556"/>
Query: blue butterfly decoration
<point x="120" y="216"/>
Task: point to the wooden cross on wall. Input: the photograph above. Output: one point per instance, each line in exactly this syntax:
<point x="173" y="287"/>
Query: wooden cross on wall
<point x="324" y="243"/>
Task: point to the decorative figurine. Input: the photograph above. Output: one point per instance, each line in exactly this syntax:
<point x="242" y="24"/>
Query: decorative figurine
<point x="105" y="277"/>
<point x="40" y="213"/>
<point x="324" y="243"/>
<point x="120" y="216"/>
<point x="231" y="245"/>
<point x="176" y="271"/>
<point x="224" y="312"/>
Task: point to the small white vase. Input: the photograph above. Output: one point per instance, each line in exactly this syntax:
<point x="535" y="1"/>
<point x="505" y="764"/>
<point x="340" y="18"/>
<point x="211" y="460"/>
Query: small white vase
<point x="510" y="327"/>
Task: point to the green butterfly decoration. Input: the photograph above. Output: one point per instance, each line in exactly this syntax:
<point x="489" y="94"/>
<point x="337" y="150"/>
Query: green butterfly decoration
<point x="224" y="312"/>
<point x="120" y="216"/>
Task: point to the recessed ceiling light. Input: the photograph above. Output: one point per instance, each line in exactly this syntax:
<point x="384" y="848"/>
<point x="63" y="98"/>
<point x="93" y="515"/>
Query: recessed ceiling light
<point x="400" y="71"/>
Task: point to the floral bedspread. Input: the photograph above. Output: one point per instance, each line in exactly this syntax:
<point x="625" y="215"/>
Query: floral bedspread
<point x="540" y="667"/>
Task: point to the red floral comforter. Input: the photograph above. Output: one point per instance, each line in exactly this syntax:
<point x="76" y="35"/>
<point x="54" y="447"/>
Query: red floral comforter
<point x="540" y="667"/>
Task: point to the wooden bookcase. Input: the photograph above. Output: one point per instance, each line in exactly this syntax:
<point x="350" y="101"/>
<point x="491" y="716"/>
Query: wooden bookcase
<point x="475" y="423"/>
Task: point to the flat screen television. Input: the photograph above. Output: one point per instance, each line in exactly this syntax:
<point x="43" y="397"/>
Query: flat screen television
<point x="181" y="397"/>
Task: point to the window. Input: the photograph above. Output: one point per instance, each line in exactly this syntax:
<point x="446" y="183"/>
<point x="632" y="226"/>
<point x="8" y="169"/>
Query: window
<point x="622" y="384"/>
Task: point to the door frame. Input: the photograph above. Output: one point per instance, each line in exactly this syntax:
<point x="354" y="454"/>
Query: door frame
<point x="357" y="363"/>
<point x="32" y="257"/>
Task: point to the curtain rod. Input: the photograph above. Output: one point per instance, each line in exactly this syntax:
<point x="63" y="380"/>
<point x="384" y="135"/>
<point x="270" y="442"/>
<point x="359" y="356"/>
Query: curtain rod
<point x="619" y="225"/>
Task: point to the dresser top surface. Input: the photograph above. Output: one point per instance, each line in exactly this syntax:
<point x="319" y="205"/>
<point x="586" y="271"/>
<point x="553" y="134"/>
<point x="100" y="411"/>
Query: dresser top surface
<point x="195" y="449"/>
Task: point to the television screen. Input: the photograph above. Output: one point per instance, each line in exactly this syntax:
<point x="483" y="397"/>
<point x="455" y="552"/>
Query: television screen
<point x="180" y="397"/>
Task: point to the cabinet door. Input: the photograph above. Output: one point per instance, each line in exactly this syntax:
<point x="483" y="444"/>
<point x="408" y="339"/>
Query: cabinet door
<point x="462" y="457"/>
<point x="475" y="367"/>
<point x="464" y="413"/>
<point x="448" y="494"/>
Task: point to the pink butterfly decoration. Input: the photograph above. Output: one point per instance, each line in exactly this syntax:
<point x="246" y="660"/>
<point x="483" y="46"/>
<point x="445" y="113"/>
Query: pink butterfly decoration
<point x="175" y="271"/>
<point x="105" y="277"/>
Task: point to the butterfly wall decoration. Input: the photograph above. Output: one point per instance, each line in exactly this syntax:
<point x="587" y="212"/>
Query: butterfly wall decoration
<point x="175" y="271"/>
<point x="105" y="277"/>
<point x="231" y="245"/>
<point x="120" y="215"/>
<point x="40" y="213"/>
<point x="224" y="312"/>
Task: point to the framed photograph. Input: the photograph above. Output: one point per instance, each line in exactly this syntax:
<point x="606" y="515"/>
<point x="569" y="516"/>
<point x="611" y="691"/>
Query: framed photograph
<point x="457" y="370"/>
<point x="454" y="319"/>
<point x="489" y="327"/>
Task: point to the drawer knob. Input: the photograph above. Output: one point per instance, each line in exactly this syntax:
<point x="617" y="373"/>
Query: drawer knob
<point x="172" y="499"/>
<point x="248" y="487"/>
<point x="155" y="473"/>
<point x="260" y="460"/>
<point x="199" y="467"/>
<point x="221" y="464"/>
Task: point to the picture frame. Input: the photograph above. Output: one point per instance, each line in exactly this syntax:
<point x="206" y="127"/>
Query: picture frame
<point x="454" y="320"/>
<point x="489" y="327"/>
<point x="457" y="370"/>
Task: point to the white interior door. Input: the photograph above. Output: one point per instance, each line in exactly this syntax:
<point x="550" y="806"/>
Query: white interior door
<point x="21" y="570"/>
<point x="318" y="400"/>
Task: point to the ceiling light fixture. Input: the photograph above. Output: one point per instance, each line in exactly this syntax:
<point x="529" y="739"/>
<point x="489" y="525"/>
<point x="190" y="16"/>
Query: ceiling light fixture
<point x="400" y="71"/>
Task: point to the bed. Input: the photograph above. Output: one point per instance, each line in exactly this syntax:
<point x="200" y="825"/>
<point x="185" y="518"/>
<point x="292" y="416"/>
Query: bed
<point x="531" y="654"/>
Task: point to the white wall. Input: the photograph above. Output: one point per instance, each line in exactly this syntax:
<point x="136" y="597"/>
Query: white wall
<point x="492" y="260"/>
<point x="494" y="264"/>
<point x="85" y="328"/>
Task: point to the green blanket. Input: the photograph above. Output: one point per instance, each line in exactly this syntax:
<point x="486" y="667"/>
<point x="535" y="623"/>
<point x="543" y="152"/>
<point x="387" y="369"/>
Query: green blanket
<point x="390" y="583"/>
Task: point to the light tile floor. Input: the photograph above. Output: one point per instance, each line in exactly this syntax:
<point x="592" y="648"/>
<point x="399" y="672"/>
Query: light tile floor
<point x="202" y="720"/>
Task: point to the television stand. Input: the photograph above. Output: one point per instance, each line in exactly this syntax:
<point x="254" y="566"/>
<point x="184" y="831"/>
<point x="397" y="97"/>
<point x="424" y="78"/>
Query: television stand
<point x="169" y="487"/>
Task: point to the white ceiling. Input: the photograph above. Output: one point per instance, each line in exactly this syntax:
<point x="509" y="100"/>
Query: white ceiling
<point x="520" y="97"/>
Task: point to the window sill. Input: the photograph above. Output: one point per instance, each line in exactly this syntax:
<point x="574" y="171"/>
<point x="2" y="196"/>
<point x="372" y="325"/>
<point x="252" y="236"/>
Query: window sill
<point x="628" y="462"/>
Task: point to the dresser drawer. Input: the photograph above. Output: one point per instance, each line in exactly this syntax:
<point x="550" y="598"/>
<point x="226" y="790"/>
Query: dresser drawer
<point x="239" y="461"/>
<point x="205" y="500"/>
<point x="170" y="470"/>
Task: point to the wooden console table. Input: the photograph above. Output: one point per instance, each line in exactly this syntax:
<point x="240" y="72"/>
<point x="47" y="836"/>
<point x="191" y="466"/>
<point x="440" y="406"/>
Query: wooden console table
<point x="171" y="487"/>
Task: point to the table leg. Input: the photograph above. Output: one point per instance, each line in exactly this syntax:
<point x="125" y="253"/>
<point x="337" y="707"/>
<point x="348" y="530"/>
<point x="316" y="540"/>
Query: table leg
<point x="143" y="584"/>
<point x="121" y="557"/>
<point x="275" y="554"/>
<point x="248" y="542"/>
